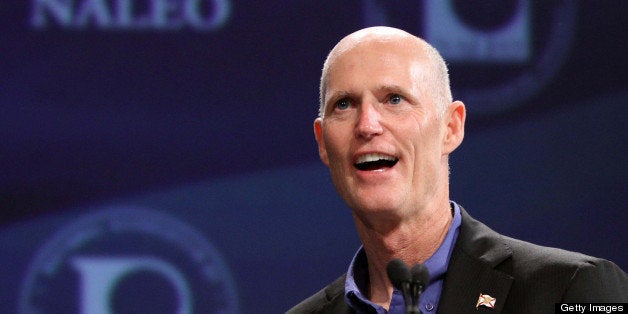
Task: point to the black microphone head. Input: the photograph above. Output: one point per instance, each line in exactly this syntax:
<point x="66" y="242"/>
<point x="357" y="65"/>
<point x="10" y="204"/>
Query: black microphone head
<point x="398" y="273"/>
<point x="420" y="274"/>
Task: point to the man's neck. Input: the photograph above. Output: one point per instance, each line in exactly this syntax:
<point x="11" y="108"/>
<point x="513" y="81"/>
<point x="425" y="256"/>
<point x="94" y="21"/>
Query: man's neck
<point x="413" y="240"/>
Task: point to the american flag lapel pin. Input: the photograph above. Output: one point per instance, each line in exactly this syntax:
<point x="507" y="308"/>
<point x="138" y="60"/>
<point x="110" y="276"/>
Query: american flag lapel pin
<point x="486" y="300"/>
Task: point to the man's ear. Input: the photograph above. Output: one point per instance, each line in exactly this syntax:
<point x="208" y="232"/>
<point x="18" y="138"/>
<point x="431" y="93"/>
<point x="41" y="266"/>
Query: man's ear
<point x="455" y="117"/>
<point x="318" y="133"/>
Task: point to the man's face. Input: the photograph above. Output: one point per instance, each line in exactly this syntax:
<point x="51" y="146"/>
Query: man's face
<point x="381" y="138"/>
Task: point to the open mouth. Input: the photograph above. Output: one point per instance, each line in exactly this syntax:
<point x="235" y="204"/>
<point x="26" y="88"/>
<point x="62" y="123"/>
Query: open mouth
<point x="371" y="162"/>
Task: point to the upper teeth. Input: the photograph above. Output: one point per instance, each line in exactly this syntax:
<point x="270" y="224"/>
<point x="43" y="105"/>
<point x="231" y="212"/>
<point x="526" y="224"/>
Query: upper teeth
<point x="375" y="157"/>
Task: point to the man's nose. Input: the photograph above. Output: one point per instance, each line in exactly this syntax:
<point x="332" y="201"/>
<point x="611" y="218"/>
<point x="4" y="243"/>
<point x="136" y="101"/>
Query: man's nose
<point x="369" y="121"/>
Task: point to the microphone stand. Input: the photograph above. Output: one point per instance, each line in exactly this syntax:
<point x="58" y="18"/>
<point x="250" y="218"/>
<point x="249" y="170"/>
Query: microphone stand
<point x="412" y="306"/>
<point x="420" y="277"/>
<point x="414" y="300"/>
<point x="409" y="281"/>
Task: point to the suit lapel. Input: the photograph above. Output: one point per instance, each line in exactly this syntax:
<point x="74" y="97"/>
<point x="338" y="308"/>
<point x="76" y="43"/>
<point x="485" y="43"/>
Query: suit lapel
<point x="471" y="272"/>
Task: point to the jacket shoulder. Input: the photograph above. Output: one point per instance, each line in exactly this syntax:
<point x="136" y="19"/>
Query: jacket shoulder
<point x="584" y="278"/>
<point x="520" y="257"/>
<point x="539" y="274"/>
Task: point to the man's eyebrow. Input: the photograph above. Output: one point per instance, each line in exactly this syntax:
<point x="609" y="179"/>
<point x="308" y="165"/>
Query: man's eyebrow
<point x="408" y="94"/>
<point x="340" y="93"/>
<point x="388" y="88"/>
<point x="337" y="95"/>
<point x="392" y="88"/>
<point x="383" y="89"/>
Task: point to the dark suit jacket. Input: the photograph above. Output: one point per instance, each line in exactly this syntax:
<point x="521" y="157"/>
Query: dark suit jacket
<point x="522" y="277"/>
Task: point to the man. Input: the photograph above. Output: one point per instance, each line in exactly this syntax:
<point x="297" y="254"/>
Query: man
<point x="386" y="127"/>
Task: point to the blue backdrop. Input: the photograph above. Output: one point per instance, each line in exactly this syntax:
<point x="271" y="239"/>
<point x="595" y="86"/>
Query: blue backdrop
<point x="157" y="156"/>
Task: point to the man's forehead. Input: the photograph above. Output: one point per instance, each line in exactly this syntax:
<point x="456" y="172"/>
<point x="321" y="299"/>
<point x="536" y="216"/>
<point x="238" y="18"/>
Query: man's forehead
<point x="376" y="57"/>
<point x="376" y="46"/>
<point x="381" y="88"/>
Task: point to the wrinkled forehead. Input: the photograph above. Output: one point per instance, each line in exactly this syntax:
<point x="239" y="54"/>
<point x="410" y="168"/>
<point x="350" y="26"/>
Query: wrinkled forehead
<point x="374" y="49"/>
<point x="366" y="42"/>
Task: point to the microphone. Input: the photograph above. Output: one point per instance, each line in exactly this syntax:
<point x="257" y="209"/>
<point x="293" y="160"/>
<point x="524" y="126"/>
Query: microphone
<point x="401" y="278"/>
<point x="420" y="278"/>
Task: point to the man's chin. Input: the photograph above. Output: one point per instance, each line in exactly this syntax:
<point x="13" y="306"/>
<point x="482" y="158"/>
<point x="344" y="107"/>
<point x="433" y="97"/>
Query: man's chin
<point x="377" y="218"/>
<point x="376" y="206"/>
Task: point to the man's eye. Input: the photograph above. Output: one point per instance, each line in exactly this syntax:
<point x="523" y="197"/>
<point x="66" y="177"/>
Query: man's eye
<point x="343" y="104"/>
<point x="395" y="99"/>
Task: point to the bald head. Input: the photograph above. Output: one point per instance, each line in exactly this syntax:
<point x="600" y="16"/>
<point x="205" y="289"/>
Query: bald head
<point x="433" y="81"/>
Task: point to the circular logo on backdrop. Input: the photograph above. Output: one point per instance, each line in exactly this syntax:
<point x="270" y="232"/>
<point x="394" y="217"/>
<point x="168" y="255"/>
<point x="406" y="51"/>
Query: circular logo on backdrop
<point x="128" y="260"/>
<point x="500" y="52"/>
